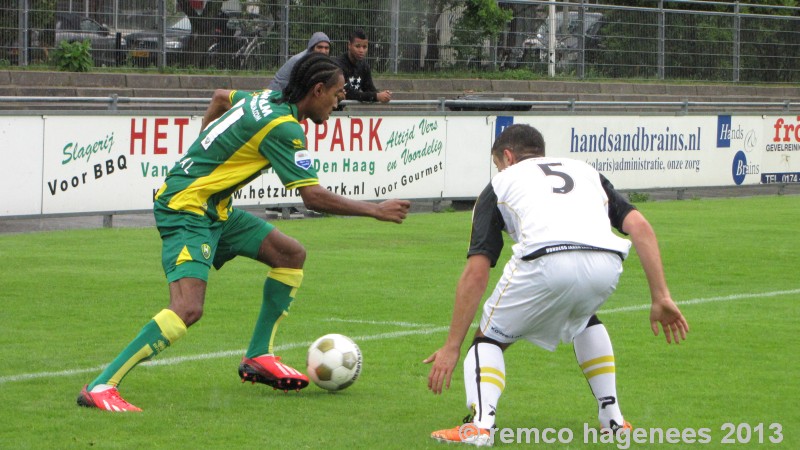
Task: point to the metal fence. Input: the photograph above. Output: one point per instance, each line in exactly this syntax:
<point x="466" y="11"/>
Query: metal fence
<point x="114" y="103"/>
<point x="661" y="40"/>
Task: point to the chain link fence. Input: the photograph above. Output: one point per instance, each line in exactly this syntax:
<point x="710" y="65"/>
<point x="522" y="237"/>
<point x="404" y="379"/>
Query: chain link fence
<point x="656" y="39"/>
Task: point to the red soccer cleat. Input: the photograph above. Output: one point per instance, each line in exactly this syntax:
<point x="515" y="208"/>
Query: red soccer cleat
<point x="269" y="370"/>
<point x="106" y="400"/>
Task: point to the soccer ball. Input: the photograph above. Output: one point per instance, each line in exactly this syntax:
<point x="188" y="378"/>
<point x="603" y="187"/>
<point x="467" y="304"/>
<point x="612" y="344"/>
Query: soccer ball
<point x="334" y="362"/>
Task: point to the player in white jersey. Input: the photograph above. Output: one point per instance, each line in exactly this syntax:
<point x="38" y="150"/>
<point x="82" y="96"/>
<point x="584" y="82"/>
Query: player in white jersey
<point x="566" y="262"/>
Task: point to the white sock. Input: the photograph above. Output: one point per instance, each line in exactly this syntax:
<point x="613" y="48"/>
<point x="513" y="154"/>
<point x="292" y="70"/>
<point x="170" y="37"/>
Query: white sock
<point x="484" y="380"/>
<point x="101" y="388"/>
<point x="596" y="358"/>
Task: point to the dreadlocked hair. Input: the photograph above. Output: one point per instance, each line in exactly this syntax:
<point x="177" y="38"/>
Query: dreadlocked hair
<point x="311" y="69"/>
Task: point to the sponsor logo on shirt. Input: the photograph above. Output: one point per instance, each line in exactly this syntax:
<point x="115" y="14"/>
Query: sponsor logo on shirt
<point x="302" y="159"/>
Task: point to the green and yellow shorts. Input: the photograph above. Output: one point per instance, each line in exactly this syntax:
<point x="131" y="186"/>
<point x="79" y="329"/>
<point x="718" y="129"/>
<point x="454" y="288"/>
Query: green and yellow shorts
<point x="191" y="243"/>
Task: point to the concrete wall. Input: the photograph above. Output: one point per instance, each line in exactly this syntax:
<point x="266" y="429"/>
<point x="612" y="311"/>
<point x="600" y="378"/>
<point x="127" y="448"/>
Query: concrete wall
<point x="65" y="84"/>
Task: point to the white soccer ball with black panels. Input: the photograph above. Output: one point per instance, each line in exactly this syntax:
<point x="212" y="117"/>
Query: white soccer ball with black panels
<point x="334" y="362"/>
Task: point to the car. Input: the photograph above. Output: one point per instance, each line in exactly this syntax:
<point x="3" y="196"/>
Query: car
<point x="107" y="48"/>
<point x="235" y="37"/>
<point x="143" y="46"/>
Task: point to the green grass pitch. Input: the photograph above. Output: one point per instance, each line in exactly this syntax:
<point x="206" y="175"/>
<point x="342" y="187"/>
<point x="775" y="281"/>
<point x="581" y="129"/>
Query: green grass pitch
<point x="71" y="300"/>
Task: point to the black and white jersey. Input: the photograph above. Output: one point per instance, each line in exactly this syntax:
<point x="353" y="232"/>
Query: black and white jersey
<point x="546" y="202"/>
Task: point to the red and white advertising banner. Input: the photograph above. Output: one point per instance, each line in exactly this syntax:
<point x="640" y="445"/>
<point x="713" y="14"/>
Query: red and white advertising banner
<point x="75" y="164"/>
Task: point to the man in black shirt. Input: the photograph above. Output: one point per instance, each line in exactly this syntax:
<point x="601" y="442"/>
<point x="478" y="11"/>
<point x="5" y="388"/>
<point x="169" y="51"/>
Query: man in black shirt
<point x="358" y="83"/>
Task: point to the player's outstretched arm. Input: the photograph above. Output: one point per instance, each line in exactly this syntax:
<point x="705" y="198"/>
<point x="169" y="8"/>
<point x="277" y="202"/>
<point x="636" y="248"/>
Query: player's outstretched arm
<point x="469" y="291"/>
<point x="220" y="103"/>
<point x="663" y="310"/>
<point x="319" y="199"/>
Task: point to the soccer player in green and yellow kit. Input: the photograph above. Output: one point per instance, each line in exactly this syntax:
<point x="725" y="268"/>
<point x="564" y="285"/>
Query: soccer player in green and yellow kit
<point x="243" y="134"/>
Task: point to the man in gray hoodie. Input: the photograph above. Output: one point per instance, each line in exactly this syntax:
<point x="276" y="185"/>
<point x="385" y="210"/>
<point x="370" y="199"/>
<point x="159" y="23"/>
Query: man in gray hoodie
<point x="319" y="43"/>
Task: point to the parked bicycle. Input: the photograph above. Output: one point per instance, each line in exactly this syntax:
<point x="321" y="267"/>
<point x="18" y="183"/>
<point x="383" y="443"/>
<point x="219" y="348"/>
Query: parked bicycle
<point x="241" y="43"/>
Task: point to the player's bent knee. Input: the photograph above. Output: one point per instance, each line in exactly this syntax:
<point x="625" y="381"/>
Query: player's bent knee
<point x="293" y="256"/>
<point x="188" y="314"/>
<point x="192" y="316"/>
<point x="486" y="340"/>
<point x="280" y="250"/>
<point x="593" y="321"/>
<point x="299" y="255"/>
<point x="186" y="298"/>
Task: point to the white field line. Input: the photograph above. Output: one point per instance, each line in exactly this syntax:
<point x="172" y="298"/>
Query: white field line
<point x="223" y="354"/>
<point x="422" y="330"/>
<point x="380" y="322"/>
<point x="698" y="301"/>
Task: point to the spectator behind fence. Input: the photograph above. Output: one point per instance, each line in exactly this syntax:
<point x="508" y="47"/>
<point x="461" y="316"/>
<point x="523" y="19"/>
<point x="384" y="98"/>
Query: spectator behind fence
<point x="319" y="43"/>
<point x="358" y="83"/>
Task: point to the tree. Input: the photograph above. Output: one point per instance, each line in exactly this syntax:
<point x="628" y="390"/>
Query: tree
<point x="481" y="20"/>
<point x="697" y="46"/>
<point x="435" y="12"/>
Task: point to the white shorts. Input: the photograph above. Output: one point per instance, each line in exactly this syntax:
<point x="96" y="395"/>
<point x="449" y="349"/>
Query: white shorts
<point x="550" y="299"/>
